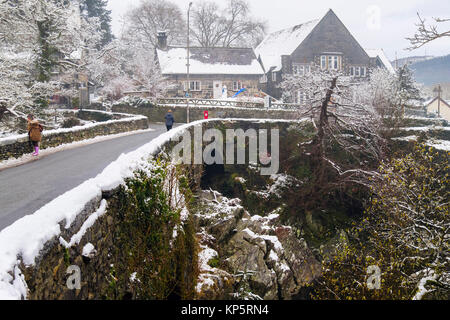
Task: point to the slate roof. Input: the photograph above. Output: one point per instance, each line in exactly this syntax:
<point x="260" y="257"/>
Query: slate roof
<point x="209" y="61"/>
<point x="283" y="42"/>
<point x="373" y="53"/>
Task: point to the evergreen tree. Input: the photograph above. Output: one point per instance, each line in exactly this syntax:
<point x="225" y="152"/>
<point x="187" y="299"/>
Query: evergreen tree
<point x="97" y="9"/>
<point x="407" y="86"/>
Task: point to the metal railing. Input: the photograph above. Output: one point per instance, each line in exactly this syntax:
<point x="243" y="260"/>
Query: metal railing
<point x="224" y="103"/>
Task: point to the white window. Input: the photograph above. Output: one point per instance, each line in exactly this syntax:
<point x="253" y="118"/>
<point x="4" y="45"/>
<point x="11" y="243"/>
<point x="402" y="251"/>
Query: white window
<point x="330" y="62"/>
<point x="323" y="62"/>
<point x="301" y="70"/>
<point x="352" y="71"/>
<point x="194" y="86"/>
<point x="363" y="71"/>
<point x="263" y="79"/>
<point x="301" y="97"/>
<point x="237" y="85"/>
<point x="274" y="77"/>
<point x="307" y="69"/>
<point x="357" y="71"/>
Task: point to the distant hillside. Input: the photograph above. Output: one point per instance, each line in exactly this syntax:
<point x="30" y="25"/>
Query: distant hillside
<point x="402" y="61"/>
<point x="433" y="71"/>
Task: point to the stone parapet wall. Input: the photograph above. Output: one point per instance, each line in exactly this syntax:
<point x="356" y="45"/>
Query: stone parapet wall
<point x="16" y="146"/>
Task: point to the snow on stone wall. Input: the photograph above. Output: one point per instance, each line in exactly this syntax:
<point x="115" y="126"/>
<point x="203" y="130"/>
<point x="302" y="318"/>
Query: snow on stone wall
<point x="18" y="145"/>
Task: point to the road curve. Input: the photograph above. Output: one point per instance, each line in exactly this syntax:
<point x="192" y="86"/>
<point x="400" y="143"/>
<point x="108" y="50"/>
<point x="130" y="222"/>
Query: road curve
<point x="26" y="188"/>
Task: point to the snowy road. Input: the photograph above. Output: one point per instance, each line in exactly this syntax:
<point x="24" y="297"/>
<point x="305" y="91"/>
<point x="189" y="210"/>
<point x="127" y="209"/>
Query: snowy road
<point x="26" y="188"/>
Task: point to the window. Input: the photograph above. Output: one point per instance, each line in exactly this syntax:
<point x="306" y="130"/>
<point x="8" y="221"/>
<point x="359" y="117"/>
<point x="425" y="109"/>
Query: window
<point x="330" y="62"/>
<point x="358" y="71"/>
<point x="274" y="77"/>
<point x="301" y="97"/>
<point x="301" y="70"/>
<point x="263" y="79"/>
<point x="237" y="85"/>
<point x="194" y="86"/>
<point x="323" y="62"/>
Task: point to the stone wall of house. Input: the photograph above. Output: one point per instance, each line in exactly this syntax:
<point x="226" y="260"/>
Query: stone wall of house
<point x="250" y="82"/>
<point x="20" y="145"/>
<point x="156" y="113"/>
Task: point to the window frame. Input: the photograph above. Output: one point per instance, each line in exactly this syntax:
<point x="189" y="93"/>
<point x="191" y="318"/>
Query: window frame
<point x="239" y="85"/>
<point x="196" y="87"/>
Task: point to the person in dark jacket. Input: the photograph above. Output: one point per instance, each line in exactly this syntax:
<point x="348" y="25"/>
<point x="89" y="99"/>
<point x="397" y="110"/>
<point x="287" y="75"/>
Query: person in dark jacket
<point x="169" y="120"/>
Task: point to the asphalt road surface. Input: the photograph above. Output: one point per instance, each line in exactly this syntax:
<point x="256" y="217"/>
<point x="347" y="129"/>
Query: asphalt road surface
<point x="26" y="188"/>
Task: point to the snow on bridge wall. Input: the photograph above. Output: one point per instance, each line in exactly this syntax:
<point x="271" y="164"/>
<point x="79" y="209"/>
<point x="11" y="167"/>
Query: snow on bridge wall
<point x="18" y="145"/>
<point x="33" y="250"/>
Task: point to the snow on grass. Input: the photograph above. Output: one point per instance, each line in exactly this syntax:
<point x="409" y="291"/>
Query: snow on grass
<point x="439" y="144"/>
<point x="443" y="145"/>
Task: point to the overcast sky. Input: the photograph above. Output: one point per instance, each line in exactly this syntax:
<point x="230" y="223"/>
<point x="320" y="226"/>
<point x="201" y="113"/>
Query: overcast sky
<point x="374" y="23"/>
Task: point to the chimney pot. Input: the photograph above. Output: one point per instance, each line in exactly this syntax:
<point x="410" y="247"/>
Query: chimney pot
<point x="162" y="40"/>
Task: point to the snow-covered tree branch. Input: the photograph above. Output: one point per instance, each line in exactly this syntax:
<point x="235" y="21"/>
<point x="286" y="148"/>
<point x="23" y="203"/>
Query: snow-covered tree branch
<point x="428" y="33"/>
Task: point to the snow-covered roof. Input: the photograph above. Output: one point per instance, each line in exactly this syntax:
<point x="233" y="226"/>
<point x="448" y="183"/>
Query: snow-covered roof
<point x="283" y="42"/>
<point x="241" y="61"/>
<point x="373" y="53"/>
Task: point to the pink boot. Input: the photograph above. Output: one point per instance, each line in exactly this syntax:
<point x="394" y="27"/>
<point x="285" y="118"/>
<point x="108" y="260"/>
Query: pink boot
<point x="36" y="151"/>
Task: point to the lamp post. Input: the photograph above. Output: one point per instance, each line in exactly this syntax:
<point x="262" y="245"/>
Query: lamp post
<point x="187" y="65"/>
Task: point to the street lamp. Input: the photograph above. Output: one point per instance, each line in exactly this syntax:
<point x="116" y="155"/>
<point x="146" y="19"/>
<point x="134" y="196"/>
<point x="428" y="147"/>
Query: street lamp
<point x="187" y="65"/>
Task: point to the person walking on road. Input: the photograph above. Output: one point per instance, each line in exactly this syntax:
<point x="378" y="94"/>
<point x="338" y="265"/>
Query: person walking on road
<point x="169" y="120"/>
<point x="34" y="133"/>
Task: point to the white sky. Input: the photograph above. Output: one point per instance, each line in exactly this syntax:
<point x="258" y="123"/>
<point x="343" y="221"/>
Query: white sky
<point x="396" y="19"/>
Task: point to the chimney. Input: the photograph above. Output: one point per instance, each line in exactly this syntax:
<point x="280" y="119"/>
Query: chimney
<point x="162" y="40"/>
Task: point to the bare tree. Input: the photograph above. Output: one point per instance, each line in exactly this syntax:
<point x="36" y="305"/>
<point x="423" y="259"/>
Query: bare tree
<point x="144" y="22"/>
<point x="233" y="28"/>
<point x="208" y="28"/>
<point x="342" y="119"/>
<point x="427" y="33"/>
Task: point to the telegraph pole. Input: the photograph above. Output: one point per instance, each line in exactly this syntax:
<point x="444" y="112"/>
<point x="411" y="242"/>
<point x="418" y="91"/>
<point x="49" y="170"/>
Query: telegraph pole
<point x="438" y="89"/>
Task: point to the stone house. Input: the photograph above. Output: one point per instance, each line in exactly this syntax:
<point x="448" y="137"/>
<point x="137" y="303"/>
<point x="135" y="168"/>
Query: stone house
<point x="324" y="42"/>
<point x="212" y="70"/>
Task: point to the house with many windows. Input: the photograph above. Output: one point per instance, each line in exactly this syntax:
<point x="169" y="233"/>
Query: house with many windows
<point x="214" y="72"/>
<point x="324" y="42"/>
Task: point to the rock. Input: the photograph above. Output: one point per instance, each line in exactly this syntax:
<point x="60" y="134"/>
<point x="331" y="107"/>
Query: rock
<point x="280" y="264"/>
